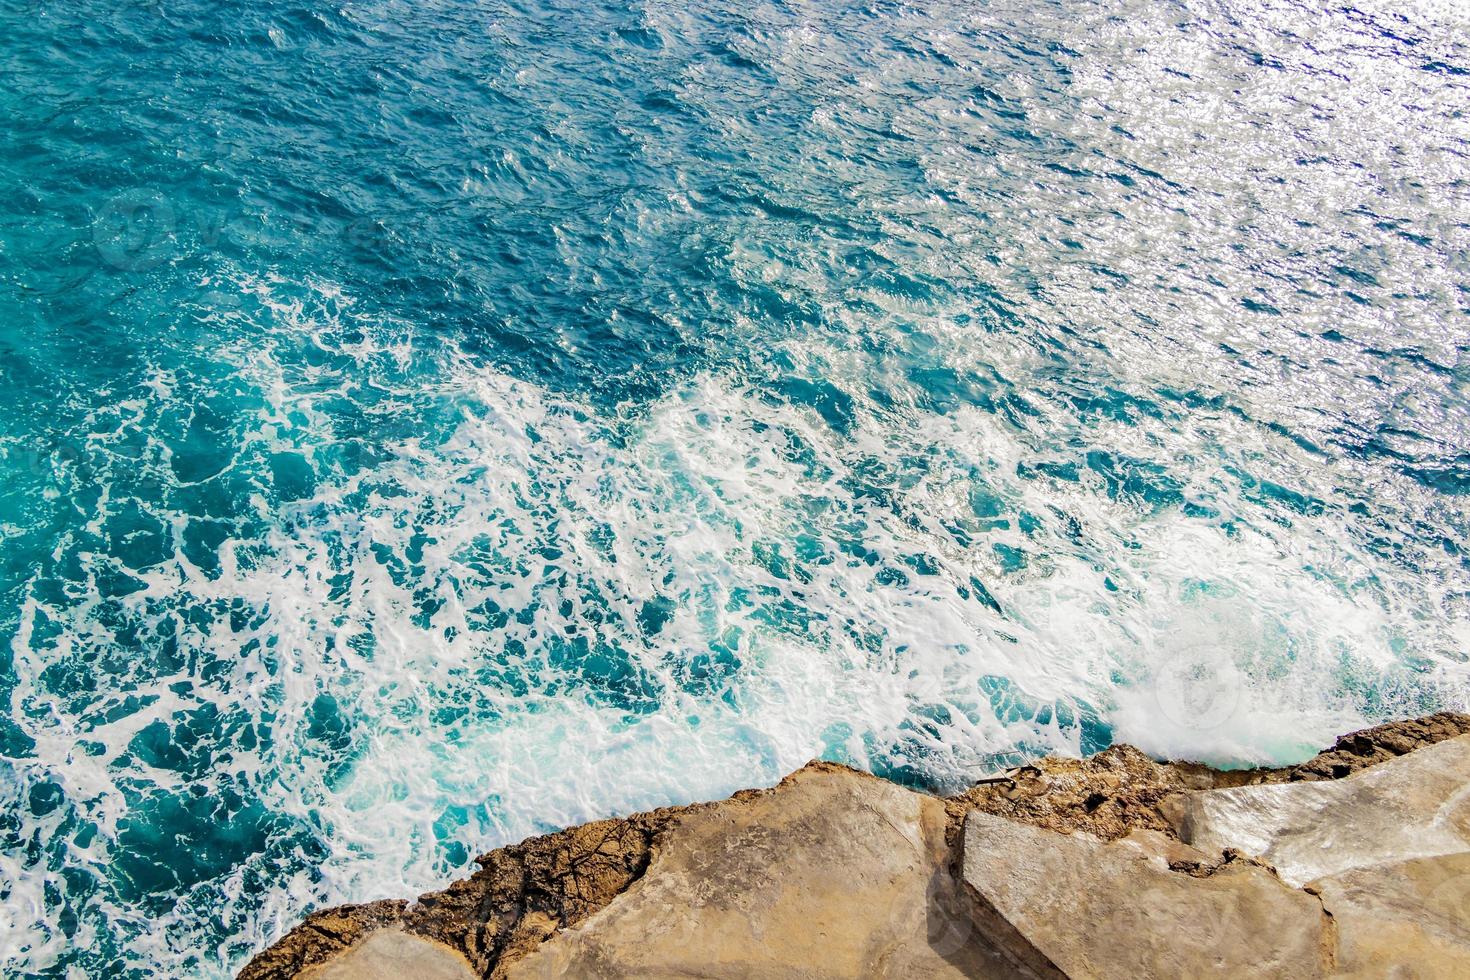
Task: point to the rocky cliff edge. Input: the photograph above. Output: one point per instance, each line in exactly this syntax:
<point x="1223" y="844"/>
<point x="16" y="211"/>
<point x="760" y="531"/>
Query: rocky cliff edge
<point x="1356" y="863"/>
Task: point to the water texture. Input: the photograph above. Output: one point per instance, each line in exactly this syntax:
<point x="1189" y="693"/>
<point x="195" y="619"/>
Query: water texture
<point x="430" y="423"/>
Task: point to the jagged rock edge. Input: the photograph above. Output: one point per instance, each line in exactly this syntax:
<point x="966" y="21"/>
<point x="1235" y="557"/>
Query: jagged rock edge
<point x="497" y="915"/>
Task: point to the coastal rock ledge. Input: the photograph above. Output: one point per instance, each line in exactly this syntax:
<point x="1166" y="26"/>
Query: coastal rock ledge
<point x="1355" y="864"/>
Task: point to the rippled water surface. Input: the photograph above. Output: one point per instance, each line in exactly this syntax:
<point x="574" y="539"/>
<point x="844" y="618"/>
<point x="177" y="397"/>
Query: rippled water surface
<point x="430" y="423"/>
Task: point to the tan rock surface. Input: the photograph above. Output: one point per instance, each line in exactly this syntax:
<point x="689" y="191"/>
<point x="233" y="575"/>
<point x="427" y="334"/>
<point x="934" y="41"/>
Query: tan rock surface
<point x="1108" y="795"/>
<point x="833" y="874"/>
<point x="1412" y="806"/>
<point x="1099" y="909"/>
<point x="1119" y="790"/>
<point x="1359" y="750"/>
<point x="1406" y="919"/>
<point x="392" y="954"/>
<point x="521" y="894"/>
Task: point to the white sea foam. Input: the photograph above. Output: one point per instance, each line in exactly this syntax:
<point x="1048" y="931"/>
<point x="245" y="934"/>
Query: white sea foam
<point x="406" y="605"/>
<point x="838" y="571"/>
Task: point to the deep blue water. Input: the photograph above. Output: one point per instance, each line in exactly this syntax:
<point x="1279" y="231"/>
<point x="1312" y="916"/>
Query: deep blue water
<point x="426" y="424"/>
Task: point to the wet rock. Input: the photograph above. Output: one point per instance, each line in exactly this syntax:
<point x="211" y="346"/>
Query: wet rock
<point x="1410" y="807"/>
<point x="1369" y="747"/>
<point x="320" y="937"/>
<point x="1120" y="790"/>
<point x="1108" y="795"/>
<point x="522" y="894"/>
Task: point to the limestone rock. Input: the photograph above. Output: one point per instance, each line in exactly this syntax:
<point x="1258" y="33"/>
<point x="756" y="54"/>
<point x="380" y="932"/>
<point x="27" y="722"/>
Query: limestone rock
<point x="1408" y="919"/>
<point x="521" y="894"/>
<point x="1120" y="790"/>
<point x="1412" y="806"/>
<point x="1359" y="750"/>
<point x="833" y="874"/>
<point x="322" y="936"/>
<point x="837" y="874"/>
<point x="1108" y="795"/>
<point x="392" y="954"/>
<point x="1099" y="909"/>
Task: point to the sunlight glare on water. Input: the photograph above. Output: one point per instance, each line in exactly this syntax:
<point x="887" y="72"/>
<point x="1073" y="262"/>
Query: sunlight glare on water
<point x="430" y="424"/>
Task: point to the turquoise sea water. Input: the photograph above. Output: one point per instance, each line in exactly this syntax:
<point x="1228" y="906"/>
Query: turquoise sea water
<point x="430" y="423"/>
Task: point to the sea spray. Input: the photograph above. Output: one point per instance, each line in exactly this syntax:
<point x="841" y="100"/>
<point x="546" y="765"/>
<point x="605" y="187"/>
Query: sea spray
<point x="434" y="424"/>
